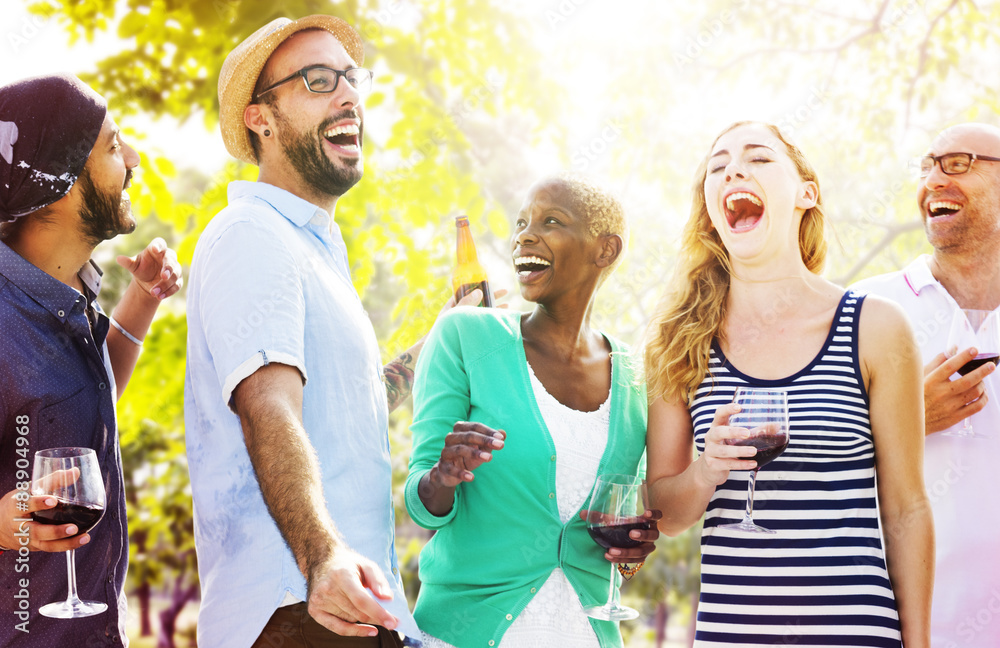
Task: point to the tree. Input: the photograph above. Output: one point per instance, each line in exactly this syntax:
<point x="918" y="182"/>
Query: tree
<point x="469" y="90"/>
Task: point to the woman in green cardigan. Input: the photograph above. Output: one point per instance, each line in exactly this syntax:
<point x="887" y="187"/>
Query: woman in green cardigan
<point x="515" y="416"/>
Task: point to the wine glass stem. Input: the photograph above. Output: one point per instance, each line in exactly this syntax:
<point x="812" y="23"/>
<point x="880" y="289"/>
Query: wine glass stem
<point x="748" y="517"/>
<point x="967" y="425"/>
<point x="73" y="598"/>
<point x="611" y="588"/>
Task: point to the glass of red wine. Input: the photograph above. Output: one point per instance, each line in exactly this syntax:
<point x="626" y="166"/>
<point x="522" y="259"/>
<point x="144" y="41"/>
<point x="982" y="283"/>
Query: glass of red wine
<point x="973" y="328"/>
<point x="616" y="508"/>
<point x="764" y="412"/>
<point x="73" y="477"/>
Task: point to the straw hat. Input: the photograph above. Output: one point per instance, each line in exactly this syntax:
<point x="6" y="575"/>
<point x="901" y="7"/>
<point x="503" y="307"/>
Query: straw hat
<point x="243" y="66"/>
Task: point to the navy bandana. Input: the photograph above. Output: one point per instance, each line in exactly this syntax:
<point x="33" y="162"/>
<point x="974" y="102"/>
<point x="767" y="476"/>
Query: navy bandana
<point x="48" y="127"/>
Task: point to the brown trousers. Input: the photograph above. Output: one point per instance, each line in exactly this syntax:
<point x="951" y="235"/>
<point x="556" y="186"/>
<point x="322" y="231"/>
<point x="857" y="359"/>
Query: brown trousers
<point x="292" y="627"/>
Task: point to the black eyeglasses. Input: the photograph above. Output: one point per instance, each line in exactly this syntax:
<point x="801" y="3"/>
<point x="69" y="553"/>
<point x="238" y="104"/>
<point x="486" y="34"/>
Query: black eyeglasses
<point x="323" y="80"/>
<point x="951" y="163"/>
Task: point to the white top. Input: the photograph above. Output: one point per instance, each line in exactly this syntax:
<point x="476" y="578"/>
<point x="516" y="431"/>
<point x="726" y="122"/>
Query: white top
<point x="555" y="617"/>
<point x="960" y="476"/>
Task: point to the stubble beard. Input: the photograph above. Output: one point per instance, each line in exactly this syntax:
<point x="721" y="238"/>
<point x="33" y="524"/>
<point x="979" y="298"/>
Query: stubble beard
<point x="306" y="153"/>
<point x="104" y="215"/>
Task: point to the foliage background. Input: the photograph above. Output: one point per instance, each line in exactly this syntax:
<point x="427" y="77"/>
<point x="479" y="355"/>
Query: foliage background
<point x="475" y="100"/>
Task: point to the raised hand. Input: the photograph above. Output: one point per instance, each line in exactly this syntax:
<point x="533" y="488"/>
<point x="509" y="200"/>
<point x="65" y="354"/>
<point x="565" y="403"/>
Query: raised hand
<point x="155" y="269"/>
<point x="468" y="446"/>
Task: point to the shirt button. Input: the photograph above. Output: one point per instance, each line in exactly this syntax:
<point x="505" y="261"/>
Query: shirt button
<point x="61" y="313"/>
<point x="110" y="578"/>
<point x="553" y="458"/>
<point x="492" y="643"/>
<point x="533" y="590"/>
<point x="510" y="616"/>
<point x="102" y="386"/>
<point x="395" y="571"/>
<point x="552" y="495"/>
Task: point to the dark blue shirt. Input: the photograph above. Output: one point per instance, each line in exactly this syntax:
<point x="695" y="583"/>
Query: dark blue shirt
<point x="56" y="390"/>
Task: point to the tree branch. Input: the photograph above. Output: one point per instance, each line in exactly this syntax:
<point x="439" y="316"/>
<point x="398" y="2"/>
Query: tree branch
<point x="922" y="61"/>
<point x="874" y="27"/>
<point x="892" y="232"/>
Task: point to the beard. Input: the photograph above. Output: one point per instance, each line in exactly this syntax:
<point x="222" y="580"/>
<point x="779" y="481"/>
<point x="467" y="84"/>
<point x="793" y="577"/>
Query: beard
<point x="305" y="151"/>
<point x="105" y="215"/>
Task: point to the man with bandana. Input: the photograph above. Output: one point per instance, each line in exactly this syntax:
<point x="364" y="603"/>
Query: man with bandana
<point x="64" y="170"/>
<point x="286" y="404"/>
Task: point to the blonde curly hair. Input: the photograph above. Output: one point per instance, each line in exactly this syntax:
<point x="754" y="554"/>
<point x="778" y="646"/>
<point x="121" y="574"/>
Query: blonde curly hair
<point x="693" y="309"/>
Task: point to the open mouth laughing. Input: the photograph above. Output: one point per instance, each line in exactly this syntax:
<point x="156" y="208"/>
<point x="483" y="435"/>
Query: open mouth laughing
<point x="345" y="137"/>
<point x="936" y="208"/>
<point x="530" y="267"/>
<point x="743" y="210"/>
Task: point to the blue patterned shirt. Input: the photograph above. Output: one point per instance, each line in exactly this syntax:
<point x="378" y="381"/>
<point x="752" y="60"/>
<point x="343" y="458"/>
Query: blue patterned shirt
<point x="57" y="389"/>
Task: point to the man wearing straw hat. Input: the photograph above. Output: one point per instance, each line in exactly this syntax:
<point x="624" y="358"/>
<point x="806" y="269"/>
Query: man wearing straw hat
<point x="285" y="402"/>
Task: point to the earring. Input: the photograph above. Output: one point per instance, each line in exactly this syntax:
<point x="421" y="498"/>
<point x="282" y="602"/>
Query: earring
<point x="267" y="133"/>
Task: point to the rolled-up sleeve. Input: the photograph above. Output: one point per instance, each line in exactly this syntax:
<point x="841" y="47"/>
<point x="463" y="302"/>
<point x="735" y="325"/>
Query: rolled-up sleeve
<point x="252" y="305"/>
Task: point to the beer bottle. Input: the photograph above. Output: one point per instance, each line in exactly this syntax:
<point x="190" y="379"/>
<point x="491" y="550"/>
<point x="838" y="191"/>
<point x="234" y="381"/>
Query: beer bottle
<point x="469" y="274"/>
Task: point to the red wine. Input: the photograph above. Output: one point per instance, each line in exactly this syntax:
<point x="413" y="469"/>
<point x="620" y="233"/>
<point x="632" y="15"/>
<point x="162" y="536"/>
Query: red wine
<point x="616" y="535"/>
<point x="84" y="516"/>
<point x="484" y="285"/>
<point x="769" y="446"/>
<point x="978" y="362"/>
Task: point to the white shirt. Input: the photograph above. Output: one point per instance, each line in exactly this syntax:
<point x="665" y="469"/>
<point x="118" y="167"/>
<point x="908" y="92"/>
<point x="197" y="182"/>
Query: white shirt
<point x="962" y="479"/>
<point x="555" y="616"/>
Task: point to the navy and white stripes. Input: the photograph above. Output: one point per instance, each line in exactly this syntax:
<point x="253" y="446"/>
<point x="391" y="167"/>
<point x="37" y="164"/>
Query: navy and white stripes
<point x="821" y="579"/>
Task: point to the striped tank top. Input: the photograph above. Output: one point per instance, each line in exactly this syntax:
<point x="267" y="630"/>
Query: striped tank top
<point x="821" y="580"/>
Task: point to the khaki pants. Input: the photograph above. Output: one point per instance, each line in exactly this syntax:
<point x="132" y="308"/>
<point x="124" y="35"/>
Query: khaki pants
<point x="292" y="627"/>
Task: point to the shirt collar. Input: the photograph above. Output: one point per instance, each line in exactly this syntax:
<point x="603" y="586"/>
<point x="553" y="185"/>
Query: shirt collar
<point x="50" y="293"/>
<point x="297" y="210"/>
<point x="918" y="274"/>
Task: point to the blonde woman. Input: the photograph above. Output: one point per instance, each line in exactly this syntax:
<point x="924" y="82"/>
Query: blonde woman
<point x="748" y="308"/>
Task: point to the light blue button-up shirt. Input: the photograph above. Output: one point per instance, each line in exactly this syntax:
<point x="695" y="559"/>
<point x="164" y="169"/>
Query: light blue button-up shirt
<point x="270" y="282"/>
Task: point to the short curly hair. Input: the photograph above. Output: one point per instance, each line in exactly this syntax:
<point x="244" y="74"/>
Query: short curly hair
<point x="599" y="206"/>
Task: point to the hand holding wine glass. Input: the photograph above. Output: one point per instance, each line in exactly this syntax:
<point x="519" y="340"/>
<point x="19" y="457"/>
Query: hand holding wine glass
<point x="617" y="508"/>
<point x="72" y="477"/>
<point x="979" y="329"/>
<point x="765" y="414"/>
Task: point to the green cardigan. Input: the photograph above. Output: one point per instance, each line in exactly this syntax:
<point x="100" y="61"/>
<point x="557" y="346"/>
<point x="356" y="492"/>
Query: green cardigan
<point x="502" y="538"/>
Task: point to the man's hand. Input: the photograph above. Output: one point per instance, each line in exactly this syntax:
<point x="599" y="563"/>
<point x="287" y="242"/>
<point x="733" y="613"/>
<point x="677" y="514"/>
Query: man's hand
<point x="15" y="530"/>
<point x="338" y="596"/>
<point x="946" y="401"/>
<point x="155" y="269"/>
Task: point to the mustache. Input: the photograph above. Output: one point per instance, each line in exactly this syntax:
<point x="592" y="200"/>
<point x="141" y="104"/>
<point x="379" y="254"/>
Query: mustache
<point x="128" y="179"/>
<point x="347" y="114"/>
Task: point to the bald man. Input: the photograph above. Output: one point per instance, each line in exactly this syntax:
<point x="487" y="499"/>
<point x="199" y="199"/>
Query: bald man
<point x="959" y="201"/>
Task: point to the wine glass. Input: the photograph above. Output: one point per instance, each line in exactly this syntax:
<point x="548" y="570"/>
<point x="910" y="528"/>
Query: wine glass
<point x="616" y="508"/>
<point x="973" y="328"/>
<point x="73" y="477"/>
<point x="765" y="413"/>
